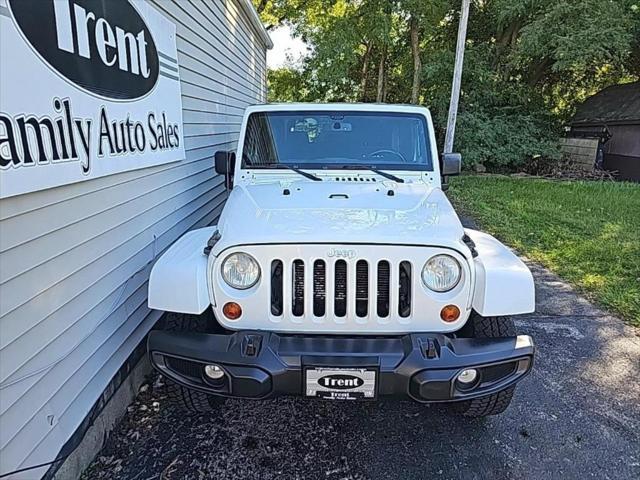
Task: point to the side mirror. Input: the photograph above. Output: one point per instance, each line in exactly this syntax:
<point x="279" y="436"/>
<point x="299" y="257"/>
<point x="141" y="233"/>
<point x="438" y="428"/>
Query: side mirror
<point x="224" y="164"/>
<point x="450" y="164"/>
<point x="222" y="160"/>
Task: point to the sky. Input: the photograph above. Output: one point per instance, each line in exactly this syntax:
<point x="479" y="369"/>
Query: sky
<point x="285" y="47"/>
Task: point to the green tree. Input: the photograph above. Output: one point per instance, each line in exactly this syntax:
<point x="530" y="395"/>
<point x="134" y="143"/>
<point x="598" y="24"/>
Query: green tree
<point x="286" y="84"/>
<point x="528" y="63"/>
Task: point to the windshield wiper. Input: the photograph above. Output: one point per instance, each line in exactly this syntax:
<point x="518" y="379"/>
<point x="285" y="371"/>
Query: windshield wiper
<point x="308" y="175"/>
<point x="390" y="176"/>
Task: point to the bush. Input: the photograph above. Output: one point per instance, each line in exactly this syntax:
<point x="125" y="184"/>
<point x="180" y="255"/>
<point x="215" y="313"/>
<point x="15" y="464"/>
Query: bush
<point x="504" y="142"/>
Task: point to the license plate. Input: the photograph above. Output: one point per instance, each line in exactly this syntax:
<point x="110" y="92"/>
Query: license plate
<point x="341" y="383"/>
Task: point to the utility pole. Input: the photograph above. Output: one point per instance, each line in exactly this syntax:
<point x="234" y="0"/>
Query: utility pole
<point x="457" y="77"/>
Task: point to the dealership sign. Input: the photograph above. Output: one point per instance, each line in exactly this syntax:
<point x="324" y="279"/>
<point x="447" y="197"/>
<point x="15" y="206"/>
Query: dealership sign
<point x="88" y="88"/>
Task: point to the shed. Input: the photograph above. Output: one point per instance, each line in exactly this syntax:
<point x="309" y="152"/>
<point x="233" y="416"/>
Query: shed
<point x="108" y="128"/>
<point x="609" y="122"/>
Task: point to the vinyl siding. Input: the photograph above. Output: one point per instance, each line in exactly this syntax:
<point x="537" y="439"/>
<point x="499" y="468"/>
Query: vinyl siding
<point x="75" y="260"/>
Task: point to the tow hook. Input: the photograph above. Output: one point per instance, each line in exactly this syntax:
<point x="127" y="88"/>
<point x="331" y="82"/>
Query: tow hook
<point x="429" y="348"/>
<point x="251" y="345"/>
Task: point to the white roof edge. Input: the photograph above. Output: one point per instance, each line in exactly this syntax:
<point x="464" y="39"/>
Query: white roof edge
<point x="370" y="107"/>
<point x="250" y="11"/>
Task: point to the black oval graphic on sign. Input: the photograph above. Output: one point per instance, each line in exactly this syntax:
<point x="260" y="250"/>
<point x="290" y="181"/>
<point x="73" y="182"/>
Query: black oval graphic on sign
<point x="340" y="382"/>
<point x="102" y="46"/>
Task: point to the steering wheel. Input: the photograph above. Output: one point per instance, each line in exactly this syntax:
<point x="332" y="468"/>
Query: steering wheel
<point x="392" y="152"/>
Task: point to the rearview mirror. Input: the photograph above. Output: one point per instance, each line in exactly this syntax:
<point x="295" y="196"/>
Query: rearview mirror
<point x="224" y="164"/>
<point x="450" y="164"/>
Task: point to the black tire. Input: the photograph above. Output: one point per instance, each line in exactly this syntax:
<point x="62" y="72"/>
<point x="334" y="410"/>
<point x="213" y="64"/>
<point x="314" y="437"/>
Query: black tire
<point x="185" y="322"/>
<point x="487" y="327"/>
<point x="486" y="406"/>
<point x="191" y="401"/>
<point x="188" y="400"/>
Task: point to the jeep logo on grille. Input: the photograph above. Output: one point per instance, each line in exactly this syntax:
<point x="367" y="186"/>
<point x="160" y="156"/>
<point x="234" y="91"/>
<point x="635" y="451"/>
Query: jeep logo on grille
<point x="340" y="382"/>
<point x="103" y="47"/>
<point x="341" y="253"/>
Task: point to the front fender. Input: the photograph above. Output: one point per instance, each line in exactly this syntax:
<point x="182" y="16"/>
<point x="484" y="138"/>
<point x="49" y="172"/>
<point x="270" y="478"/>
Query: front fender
<point x="504" y="284"/>
<point x="178" y="280"/>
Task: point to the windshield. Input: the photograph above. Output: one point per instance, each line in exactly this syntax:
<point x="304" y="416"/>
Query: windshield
<point x="325" y="140"/>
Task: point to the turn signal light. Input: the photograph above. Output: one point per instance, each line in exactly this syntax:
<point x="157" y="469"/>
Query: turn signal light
<point x="450" y="313"/>
<point x="232" y="310"/>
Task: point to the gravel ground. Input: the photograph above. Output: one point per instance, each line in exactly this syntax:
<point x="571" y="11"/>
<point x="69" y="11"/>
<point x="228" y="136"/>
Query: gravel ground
<point x="576" y="416"/>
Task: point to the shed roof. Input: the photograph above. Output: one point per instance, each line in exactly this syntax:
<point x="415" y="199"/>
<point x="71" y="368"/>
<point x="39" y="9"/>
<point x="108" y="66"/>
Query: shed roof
<point x="617" y="104"/>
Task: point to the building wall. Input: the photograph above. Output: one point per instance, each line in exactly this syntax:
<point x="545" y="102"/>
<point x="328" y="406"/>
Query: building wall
<point x="622" y="152"/>
<point x="625" y="140"/>
<point x="75" y="260"/>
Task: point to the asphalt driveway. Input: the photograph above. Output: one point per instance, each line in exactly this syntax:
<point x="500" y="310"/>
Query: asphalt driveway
<point x="576" y="416"/>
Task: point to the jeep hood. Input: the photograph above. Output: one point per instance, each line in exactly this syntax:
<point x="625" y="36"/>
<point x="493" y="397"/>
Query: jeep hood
<point x="339" y="212"/>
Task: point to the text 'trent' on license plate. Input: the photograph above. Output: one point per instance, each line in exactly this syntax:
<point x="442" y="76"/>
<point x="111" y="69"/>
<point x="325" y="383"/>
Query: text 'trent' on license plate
<point x="340" y="383"/>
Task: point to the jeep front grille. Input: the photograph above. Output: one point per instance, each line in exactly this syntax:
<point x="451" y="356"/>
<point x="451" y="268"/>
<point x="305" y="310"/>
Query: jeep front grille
<point x="319" y="288"/>
<point x="298" y="288"/>
<point x="342" y="286"/>
<point x="383" y="289"/>
<point x="276" y="288"/>
<point x="362" y="288"/>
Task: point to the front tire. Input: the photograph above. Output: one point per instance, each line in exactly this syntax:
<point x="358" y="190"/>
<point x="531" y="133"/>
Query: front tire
<point x="190" y="401"/>
<point x="185" y="322"/>
<point x="487" y="327"/>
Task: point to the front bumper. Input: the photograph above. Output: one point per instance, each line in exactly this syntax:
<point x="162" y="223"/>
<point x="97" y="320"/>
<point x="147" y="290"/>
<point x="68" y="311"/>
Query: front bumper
<point x="263" y="364"/>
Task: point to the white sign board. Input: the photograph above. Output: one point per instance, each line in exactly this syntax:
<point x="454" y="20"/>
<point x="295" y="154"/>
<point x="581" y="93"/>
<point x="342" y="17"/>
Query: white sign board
<point x="87" y="89"/>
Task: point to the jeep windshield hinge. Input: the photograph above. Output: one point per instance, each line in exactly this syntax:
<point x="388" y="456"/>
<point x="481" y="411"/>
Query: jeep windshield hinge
<point x="471" y="244"/>
<point x="211" y="242"/>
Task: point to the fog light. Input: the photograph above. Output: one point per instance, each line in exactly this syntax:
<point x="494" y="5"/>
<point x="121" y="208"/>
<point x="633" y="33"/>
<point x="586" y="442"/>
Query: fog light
<point x="468" y="377"/>
<point x="450" y="313"/>
<point x="214" y="372"/>
<point x="232" y="310"/>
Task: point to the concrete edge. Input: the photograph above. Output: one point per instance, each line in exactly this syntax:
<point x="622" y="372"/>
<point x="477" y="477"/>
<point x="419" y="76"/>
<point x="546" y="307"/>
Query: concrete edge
<point x="96" y="436"/>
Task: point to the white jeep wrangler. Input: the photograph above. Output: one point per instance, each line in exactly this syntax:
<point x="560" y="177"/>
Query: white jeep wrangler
<point x="340" y="270"/>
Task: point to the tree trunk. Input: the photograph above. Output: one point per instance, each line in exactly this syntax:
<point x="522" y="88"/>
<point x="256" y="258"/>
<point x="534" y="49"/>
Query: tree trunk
<point x="538" y="71"/>
<point x="365" y="71"/>
<point x="385" y="87"/>
<point x="509" y="35"/>
<point x="417" y="63"/>
<point x="381" y="72"/>
<point x="261" y="6"/>
<point x="506" y="39"/>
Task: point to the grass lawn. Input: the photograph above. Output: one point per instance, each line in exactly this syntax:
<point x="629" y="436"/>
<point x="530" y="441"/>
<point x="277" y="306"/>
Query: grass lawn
<point x="586" y="232"/>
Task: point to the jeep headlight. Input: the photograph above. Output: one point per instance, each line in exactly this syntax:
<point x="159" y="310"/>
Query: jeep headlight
<point x="240" y="270"/>
<point x="441" y="273"/>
